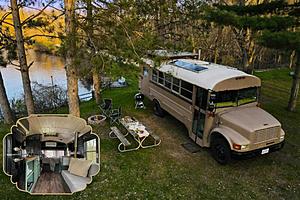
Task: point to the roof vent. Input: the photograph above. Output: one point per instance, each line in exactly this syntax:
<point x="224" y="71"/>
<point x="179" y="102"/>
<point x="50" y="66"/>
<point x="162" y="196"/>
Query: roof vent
<point x="188" y="66"/>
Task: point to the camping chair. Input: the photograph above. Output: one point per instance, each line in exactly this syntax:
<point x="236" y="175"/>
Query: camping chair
<point x="115" y="115"/>
<point x="139" y="98"/>
<point x="105" y="107"/>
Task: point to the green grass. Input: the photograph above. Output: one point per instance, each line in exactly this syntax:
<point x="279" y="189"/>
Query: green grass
<point x="170" y="172"/>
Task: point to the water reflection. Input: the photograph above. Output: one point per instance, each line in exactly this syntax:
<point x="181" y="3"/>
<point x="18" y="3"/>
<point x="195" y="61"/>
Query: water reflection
<point x="41" y="71"/>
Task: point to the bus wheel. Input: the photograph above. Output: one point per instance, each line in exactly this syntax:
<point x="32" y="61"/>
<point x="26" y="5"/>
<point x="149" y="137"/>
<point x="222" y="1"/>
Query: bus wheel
<point x="221" y="151"/>
<point x="157" y="109"/>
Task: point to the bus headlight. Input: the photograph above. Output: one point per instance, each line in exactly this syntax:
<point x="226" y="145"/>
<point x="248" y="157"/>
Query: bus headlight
<point x="240" y="147"/>
<point x="282" y="134"/>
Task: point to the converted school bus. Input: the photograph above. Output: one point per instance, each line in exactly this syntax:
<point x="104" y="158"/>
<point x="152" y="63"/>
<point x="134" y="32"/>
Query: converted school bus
<point x="217" y="104"/>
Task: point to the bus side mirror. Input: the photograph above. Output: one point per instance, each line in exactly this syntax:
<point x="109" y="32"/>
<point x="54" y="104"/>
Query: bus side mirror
<point x="212" y="97"/>
<point x="211" y="107"/>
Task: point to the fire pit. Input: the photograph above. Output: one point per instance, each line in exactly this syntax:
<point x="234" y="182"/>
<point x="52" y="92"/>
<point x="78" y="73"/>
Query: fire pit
<point x="97" y="119"/>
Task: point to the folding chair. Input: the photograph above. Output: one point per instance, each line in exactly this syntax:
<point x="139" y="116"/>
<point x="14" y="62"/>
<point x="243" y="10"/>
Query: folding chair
<point x="106" y="106"/>
<point x="115" y="115"/>
<point x="139" y="98"/>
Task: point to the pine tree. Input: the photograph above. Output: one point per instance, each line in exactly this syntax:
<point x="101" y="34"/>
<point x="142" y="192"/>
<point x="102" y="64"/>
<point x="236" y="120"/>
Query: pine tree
<point x="274" y="24"/>
<point x="15" y="44"/>
<point x="24" y="67"/>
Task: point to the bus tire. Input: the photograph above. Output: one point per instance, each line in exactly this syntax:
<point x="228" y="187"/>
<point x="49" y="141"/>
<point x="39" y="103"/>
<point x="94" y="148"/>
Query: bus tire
<point x="221" y="150"/>
<point x="157" y="109"/>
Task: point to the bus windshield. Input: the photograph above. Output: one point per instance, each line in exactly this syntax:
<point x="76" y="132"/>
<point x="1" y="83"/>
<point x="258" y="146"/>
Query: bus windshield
<point x="235" y="97"/>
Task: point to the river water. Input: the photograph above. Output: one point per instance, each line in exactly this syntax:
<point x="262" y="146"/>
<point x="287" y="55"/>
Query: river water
<point x="41" y="71"/>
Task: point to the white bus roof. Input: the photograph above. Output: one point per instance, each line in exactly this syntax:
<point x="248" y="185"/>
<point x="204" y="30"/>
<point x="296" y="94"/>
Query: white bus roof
<point x="63" y="126"/>
<point x="207" y="75"/>
<point x="172" y="54"/>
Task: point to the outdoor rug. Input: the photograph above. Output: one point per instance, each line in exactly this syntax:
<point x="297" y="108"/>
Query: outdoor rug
<point x="191" y="147"/>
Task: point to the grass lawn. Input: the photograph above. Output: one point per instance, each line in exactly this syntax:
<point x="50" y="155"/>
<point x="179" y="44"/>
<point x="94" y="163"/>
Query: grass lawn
<point x="171" y="172"/>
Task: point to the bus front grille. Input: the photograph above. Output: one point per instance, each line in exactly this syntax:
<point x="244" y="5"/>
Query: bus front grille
<point x="266" y="134"/>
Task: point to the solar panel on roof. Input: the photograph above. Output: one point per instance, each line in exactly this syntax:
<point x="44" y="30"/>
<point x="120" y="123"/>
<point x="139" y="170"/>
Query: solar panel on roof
<point x="188" y="66"/>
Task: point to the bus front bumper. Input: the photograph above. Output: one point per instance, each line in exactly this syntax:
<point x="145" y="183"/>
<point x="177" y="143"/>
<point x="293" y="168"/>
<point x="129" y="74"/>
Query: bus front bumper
<point x="261" y="151"/>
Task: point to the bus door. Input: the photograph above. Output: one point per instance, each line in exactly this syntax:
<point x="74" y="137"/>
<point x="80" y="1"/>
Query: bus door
<point x="199" y="114"/>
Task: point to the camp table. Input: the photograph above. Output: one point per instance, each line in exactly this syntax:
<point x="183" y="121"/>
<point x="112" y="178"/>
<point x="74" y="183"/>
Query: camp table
<point x="139" y="132"/>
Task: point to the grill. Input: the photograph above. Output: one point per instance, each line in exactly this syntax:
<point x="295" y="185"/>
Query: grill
<point x="266" y="134"/>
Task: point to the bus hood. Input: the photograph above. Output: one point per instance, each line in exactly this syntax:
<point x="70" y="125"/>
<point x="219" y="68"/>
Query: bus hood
<point x="250" y="119"/>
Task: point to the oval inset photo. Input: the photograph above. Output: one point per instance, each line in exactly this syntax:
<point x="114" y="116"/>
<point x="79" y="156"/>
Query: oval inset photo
<point x="51" y="154"/>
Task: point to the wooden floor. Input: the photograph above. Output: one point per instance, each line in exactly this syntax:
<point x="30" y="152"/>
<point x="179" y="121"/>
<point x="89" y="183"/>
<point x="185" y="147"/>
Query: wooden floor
<point x="51" y="182"/>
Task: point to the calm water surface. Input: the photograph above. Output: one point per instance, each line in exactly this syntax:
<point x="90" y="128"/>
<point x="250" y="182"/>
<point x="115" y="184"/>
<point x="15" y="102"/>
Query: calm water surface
<point x="41" y="71"/>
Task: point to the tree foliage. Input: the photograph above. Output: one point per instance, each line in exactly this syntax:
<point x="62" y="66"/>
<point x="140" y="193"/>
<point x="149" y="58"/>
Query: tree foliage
<point x="280" y="40"/>
<point x="276" y="25"/>
<point x="256" y="23"/>
<point x="254" y="10"/>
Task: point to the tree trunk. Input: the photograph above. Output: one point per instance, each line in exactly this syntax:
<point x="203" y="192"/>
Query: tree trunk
<point x="5" y="107"/>
<point x="279" y="59"/>
<point x="251" y="53"/>
<point x="292" y="59"/>
<point x="22" y="58"/>
<point x="248" y="52"/>
<point x="216" y="52"/>
<point x="97" y="86"/>
<point x="295" y="85"/>
<point x="72" y="79"/>
<point x="95" y="72"/>
<point x="216" y="55"/>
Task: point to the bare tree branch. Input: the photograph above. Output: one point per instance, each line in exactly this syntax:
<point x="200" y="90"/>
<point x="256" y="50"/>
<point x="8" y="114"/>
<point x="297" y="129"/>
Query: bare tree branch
<point x="31" y="17"/>
<point x="41" y="35"/>
<point x="16" y="65"/>
<point x="4" y="22"/>
<point x="130" y="40"/>
<point x="56" y="9"/>
<point x="5" y="16"/>
<point x="30" y="64"/>
<point x="56" y="17"/>
<point x="6" y="36"/>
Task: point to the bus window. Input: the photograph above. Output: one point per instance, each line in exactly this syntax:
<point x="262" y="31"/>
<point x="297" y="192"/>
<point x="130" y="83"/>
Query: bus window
<point x="186" y="89"/>
<point x="168" y="80"/>
<point x="235" y="97"/>
<point x="161" y="77"/>
<point x="226" y="99"/>
<point x="175" y="86"/>
<point x="198" y="123"/>
<point x="154" y="75"/>
<point x="247" y="95"/>
<point x="201" y="99"/>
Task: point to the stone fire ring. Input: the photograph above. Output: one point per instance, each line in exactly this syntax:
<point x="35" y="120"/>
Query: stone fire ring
<point x="96" y="119"/>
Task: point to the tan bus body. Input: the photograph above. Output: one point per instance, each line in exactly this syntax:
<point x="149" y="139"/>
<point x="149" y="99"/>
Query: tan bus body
<point x="217" y="104"/>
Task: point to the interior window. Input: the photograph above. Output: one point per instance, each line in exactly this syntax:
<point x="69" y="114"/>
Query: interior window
<point x="53" y="153"/>
<point x="90" y="150"/>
